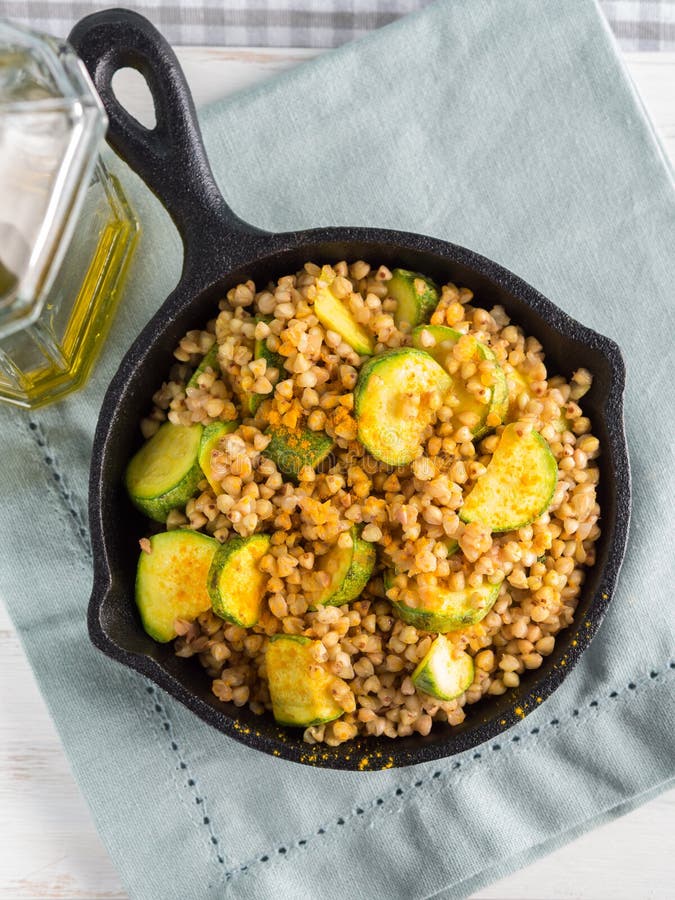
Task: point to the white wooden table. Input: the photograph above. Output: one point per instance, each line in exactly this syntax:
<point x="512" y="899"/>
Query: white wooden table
<point x="48" y="845"/>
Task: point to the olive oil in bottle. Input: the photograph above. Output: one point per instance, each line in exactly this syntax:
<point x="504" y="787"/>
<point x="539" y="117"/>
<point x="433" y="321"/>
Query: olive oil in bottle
<point x="67" y="232"/>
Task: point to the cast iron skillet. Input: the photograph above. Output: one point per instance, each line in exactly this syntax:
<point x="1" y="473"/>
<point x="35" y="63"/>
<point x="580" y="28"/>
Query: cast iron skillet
<point x="220" y="251"/>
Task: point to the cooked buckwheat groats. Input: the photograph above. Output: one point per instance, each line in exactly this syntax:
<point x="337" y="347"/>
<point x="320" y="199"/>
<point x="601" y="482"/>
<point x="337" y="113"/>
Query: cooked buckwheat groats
<point x="371" y="504"/>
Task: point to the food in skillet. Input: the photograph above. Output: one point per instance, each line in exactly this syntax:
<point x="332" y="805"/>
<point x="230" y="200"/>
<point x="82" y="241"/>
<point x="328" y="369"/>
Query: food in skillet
<point x="372" y="505"/>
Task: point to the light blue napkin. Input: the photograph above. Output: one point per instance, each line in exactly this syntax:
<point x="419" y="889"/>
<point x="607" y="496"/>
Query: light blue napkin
<point x="505" y="125"/>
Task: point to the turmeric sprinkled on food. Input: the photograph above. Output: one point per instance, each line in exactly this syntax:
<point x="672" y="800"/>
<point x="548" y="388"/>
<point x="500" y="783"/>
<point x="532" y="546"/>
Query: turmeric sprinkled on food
<point x="380" y="506"/>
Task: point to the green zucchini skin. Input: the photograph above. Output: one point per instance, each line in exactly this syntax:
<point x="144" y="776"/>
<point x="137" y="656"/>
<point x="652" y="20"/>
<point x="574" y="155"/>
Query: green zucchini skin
<point x="452" y="611"/>
<point x="389" y="435"/>
<point x="356" y="565"/>
<point x="500" y="398"/>
<point x="416" y="296"/>
<point x="440" y="333"/>
<point x="171" y="580"/>
<point x="293" y="449"/>
<point x="335" y="316"/>
<point x="235" y="583"/>
<point x="210" y="361"/>
<point x="299" y="686"/>
<point x="154" y="495"/>
<point x="273" y="360"/>
<point x="514" y="459"/>
<point x="441" y="673"/>
<point x="210" y="437"/>
<point x="298" y="638"/>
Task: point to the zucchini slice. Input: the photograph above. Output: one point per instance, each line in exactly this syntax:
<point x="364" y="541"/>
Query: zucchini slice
<point x="449" y="610"/>
<point x="210" y="361"/>
<point x="300" y="687"/>
<point x="518" y="484"/>
<point x="562" y="424"/>
<point x="519" y="383"/>
<point x="499" y="402"/>
<point x="445" y="339"/>
<point x="209" y="441"/>
<point x="516" y="384"/>
<point x="444" y="672"/>
<point x="291" y="449"/>
<point x="262" y="351"/>
<point x="165" y="472"/>
<point x="273" y="360"/>
<point x="235" y="582"/>
<point x="416" y="297"/>
<point x="335" y="316"/>
<point x="385" y="386"/>
<point x="171" y="580"/>
<point x="349" y="569"/>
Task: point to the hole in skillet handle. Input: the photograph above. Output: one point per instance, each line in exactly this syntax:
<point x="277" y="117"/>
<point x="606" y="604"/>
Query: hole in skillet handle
<point x="129" y="83"/>
<point x="170" y="157"/>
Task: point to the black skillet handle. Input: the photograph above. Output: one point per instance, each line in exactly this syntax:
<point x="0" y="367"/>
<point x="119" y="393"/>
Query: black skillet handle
<point x="170" y="158"/>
